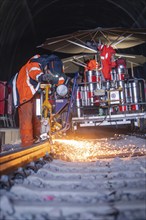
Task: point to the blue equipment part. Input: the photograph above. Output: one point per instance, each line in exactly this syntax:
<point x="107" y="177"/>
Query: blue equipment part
<point x="60" y="104"/>
<point x="70" y="105"/>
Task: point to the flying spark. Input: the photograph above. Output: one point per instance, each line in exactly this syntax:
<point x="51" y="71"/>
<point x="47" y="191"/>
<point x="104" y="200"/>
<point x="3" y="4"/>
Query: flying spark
<point x="91" y="150"/>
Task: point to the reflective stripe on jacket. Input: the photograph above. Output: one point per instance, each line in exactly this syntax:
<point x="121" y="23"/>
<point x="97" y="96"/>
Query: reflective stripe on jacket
<point x="27" y="80"/>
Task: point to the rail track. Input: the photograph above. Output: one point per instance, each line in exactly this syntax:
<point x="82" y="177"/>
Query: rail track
<point x="44" y="187"/>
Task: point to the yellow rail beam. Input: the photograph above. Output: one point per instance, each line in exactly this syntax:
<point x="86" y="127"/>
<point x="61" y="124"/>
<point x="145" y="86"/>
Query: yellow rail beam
<point x="12" y="161"/>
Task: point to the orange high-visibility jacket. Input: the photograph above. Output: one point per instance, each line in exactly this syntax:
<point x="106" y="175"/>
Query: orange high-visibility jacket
<point x="106" y="53"/>
<point x="25" y="83"/>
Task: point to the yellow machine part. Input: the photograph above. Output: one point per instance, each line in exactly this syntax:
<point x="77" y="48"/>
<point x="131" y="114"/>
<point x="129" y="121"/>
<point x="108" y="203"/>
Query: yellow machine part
<point x="47" y="111"/>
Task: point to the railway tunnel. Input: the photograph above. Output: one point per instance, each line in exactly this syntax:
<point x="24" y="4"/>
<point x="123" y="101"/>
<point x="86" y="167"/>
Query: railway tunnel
<point x="94" y="172"/>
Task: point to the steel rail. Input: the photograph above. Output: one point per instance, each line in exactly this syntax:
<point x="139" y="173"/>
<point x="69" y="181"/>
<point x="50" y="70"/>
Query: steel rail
<point x="10" y="161"/>
<point x="13" y="160"/>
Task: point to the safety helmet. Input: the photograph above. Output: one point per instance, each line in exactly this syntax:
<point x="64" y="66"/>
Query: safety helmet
<point x="55" y="64"/>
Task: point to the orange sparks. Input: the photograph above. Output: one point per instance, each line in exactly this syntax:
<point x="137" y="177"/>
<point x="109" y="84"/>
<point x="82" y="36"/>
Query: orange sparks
<point x="91" y="150"/>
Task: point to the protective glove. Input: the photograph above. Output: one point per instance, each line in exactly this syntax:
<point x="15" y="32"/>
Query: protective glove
<point x="48" y="78"/>
<point x="45" y="78"/>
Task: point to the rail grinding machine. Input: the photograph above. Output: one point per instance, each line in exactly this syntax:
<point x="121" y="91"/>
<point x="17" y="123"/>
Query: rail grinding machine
<point x="95" y="102"/>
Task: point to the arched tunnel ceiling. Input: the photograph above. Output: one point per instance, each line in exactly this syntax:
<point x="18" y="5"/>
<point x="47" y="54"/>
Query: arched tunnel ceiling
<point x="25" y="24"/>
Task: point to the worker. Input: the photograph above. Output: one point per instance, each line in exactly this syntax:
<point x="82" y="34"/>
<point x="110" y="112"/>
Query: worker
<point x="25" y="86"/>
<point x="107" y="60"/>
<point x="92" y="65"/>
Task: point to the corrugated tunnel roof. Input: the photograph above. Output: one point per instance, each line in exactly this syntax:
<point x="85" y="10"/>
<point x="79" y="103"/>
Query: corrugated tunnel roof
<point x="26" y="24"/>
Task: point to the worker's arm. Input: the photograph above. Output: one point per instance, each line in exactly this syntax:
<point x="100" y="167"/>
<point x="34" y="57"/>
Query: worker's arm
<point x="48" y="78"/>
<point x="55" y="79"/>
